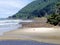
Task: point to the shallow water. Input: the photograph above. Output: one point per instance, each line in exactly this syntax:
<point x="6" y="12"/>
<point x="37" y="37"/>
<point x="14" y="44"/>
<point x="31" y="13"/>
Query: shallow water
<point x="23" y="42"/>
<point x="8" y="25"/>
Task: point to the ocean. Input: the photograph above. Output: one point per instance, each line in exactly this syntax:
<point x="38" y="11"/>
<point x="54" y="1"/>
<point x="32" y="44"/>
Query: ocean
<point x="8" y="25"/>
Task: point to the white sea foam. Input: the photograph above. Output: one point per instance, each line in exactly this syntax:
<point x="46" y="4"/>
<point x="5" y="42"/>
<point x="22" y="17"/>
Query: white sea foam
<point x="9" y="22"/>
<point x="8" y="25"/>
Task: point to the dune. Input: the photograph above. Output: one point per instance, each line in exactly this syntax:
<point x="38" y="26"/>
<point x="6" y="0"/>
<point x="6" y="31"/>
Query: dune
<point x="47" y="35"/>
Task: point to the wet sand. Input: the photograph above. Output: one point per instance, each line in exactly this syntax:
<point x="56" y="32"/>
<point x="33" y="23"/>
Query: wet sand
<point x="46" y="35"/>
<point x="23" y="42"/>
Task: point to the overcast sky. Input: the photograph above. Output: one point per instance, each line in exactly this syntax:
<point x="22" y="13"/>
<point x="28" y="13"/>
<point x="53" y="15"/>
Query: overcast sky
<point x="10" y="7"/>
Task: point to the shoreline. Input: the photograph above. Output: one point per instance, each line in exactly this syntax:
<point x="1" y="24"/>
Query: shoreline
<point x="46" y="35"/>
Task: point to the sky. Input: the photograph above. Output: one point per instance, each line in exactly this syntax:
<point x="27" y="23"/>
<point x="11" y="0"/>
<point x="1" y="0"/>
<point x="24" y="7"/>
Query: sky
<point x="10" y="7"/>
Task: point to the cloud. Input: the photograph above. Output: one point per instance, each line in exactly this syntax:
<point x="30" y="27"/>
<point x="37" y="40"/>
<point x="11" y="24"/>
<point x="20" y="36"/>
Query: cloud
<point x="10" y="7"/>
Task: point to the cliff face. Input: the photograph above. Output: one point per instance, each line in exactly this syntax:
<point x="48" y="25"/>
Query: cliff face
<point x="37" y="8"/>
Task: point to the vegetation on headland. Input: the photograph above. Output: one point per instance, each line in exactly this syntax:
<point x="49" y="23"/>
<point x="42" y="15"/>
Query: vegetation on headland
<point x="40" y="8"/>
<point x="37" y="8"/>
<point x="55" y="17"/>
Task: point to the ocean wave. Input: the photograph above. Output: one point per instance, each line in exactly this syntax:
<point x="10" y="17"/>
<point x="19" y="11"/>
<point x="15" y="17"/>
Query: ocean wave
<point x="9" y="22"/>
<point x="12" y="22"/>
<point x="8" y="25"/>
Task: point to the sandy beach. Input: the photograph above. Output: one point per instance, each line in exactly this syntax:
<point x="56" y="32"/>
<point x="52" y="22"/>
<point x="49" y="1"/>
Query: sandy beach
<point x="47" y="35"/>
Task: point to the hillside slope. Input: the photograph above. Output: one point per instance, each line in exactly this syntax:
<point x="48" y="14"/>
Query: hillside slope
<point x="37" y="8"/>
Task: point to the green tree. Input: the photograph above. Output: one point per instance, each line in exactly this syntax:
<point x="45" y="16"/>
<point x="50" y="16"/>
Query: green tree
<point x="54" y="18"/>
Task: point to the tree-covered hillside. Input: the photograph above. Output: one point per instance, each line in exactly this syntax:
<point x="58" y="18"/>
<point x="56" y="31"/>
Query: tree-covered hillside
<point x="37" y="8"/>
<point x="55" y="17"/>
